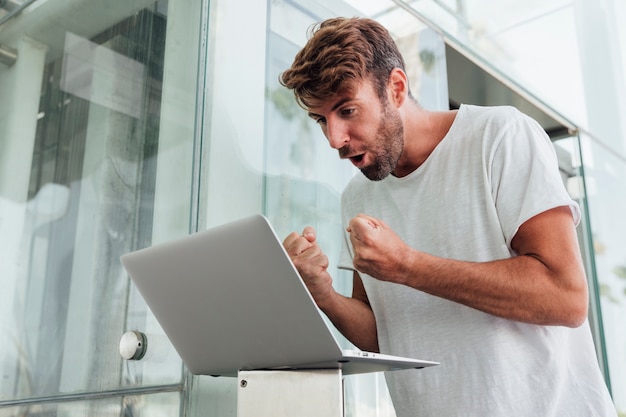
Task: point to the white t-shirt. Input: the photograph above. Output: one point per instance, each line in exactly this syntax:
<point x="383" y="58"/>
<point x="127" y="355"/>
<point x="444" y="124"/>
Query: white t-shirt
<point x="495" y="169"/>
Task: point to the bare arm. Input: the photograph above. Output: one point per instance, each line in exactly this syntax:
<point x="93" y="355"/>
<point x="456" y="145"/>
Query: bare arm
<point x="353" y="316"/>
<point x="545" y="284"/>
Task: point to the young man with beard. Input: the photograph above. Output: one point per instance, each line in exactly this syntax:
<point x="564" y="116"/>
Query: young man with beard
<point x="461" y="237"/>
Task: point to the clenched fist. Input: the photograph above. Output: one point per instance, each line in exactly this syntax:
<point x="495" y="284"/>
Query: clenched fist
<point x="311" y="262"/>
<point x="378" y="250"/>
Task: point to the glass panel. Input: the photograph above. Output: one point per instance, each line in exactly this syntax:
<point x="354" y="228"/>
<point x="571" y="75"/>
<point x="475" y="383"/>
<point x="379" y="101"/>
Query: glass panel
<point x="605" y="178"/>
<point x="231" y="184"/>
<point x="568" y="151"/>
<point x="526" y="42"/>
<point x="278" y="162"/>
<point x="213" y="397"/>
<point x="568" y="54"/>
<point x="304" y="177"/>
<point x="165" y="404"/>
<point x="96" y="150"/>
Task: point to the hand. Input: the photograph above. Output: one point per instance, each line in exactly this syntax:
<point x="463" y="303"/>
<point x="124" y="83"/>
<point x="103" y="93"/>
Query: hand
<point x="378" y="250"/>
<point x="311" y="263"/>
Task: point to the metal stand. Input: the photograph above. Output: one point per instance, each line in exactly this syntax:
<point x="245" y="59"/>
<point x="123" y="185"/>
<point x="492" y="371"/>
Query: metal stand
<point x="316" y="393"/>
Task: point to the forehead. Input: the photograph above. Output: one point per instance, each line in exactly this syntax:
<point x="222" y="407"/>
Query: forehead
<point x="355" y="91"/>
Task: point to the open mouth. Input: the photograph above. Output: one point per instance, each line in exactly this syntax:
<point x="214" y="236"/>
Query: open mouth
<point x="357" y="159"/>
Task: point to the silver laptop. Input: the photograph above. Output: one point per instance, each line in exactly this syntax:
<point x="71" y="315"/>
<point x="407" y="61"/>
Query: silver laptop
<point x="230" y="299"/>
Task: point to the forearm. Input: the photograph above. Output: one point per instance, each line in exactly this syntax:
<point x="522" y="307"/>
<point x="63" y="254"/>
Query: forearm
<point x="354" y="319"/>
<point x="520" y="288"/>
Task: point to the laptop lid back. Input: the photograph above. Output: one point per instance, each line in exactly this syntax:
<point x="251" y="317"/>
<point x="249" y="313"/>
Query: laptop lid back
<point x="229" y="298"/>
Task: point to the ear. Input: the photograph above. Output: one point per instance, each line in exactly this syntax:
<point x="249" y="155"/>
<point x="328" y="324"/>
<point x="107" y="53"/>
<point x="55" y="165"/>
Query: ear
<point x="398" y="87"/>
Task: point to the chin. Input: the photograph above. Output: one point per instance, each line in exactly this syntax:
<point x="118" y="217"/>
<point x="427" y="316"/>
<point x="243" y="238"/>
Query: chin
<point x="376" y="175"/>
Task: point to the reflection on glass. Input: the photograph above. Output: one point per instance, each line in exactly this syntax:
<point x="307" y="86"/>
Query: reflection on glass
<point x="81" y="132"/>
<point x="303" y="176"/>
<point x="302" y="187"/>
<point x="605" y="175"/>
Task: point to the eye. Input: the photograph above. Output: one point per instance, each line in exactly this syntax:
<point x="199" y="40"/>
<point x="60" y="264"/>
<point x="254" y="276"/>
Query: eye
<point x="347" y="112"/>
<point x="320" y="120"/>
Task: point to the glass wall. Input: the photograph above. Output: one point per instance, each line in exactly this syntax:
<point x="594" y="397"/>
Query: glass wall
<point x="569" y="57"/>
<point x="97" y="117"/>
<point x="292" y="177"/>
<point x="605" y="179"/>
<point x="124" y="124"/>
<point x="596" y="177"/>
<point x="266" y="155"/>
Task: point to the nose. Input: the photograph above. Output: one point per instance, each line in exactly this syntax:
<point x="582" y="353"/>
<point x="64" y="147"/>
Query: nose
<point x="337" y="134"/>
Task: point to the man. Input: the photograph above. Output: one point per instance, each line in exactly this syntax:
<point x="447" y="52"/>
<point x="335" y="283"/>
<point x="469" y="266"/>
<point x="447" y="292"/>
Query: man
<point x="461" y="237"/>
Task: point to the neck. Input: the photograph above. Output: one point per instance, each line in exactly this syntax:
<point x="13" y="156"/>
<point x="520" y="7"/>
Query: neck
<point x="423" y="131"/>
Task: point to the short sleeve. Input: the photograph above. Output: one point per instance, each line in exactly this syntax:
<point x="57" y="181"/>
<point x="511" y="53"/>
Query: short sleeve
<point x="525" y="176"/>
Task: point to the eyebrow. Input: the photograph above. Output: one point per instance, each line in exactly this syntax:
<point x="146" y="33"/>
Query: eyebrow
<point x="335" y="107"/>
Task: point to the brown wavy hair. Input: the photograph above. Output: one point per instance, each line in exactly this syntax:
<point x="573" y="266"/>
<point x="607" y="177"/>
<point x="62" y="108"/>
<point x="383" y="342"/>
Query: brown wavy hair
<point x="340" y="53"/>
